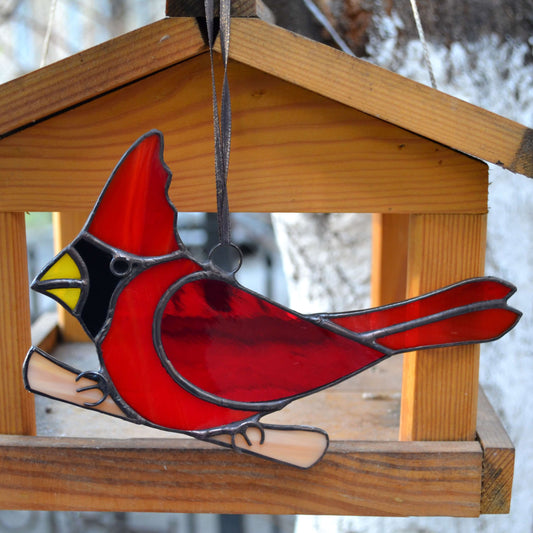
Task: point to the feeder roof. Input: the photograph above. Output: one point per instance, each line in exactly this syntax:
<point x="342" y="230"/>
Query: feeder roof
<point x="296" y="59"/>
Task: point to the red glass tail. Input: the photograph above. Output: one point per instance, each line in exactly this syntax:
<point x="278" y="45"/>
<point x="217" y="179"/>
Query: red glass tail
<point x="468" y="312"/>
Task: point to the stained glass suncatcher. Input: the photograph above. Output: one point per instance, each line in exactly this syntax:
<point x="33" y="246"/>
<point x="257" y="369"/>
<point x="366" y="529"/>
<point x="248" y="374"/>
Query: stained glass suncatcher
<point x="184" y="347"/>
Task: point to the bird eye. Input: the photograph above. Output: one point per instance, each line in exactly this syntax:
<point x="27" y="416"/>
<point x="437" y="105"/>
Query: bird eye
<point x="120" y="266"/>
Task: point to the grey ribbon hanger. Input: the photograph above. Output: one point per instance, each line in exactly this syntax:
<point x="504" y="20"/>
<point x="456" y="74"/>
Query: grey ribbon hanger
<point x="222" y="120"/>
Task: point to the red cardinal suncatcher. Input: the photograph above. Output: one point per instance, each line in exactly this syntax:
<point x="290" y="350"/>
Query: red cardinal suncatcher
<point x="184" y="347"/>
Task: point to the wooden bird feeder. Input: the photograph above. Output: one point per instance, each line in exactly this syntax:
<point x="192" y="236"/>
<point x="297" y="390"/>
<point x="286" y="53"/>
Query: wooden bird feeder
<point x="314" y="130"/>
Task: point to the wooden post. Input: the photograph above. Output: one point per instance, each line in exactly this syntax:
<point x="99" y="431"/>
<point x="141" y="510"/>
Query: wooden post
<point x="389" y="258"/>
<point x="440" y="387"/>
<point x="67" y="225"/>
<point x="17" y="416"/>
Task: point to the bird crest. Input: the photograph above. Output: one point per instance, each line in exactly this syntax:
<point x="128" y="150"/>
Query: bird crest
<point x="134" y="212"/>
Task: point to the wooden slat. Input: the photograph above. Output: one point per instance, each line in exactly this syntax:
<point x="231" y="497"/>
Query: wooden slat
<point x="439" y="393"/>
<point x="383" y="94"/>
<point x="292" y="150"/>
<point x="66" y="227"/>
<point x="16" y="405"/>
<point x="498" y="460"/>
<point x="100" y="69"/>
<point x="390" y="234"/>
<point x="181" y="475"/>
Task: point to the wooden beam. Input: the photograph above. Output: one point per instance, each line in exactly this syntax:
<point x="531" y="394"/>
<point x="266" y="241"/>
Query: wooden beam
<point x="384" y="94"/>
<point x="439" y="393"/>
<point x="181" y="475"/>
<point x="498" y="460"/>
<point x="292" y="150"/>
<point x="88" y="74"/>
<point x="16" y="405"/>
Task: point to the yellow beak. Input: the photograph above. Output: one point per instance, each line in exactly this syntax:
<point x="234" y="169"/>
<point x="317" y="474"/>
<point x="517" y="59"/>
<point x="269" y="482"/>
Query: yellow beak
<point x="62" y="281"/>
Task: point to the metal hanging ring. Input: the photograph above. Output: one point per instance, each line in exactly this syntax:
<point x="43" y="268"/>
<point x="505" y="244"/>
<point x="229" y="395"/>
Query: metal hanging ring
<point x="221" y="260"/>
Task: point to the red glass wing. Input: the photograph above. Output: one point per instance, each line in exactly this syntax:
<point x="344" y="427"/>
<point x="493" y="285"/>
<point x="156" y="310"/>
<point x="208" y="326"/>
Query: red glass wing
<point x="235" y="345"/>
<point x="133" y="212"/>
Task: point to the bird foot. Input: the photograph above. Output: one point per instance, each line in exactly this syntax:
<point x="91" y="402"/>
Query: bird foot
<point x="242" y="430"/>
<point x="101" y="384"/>
<point x="294" y="445"/>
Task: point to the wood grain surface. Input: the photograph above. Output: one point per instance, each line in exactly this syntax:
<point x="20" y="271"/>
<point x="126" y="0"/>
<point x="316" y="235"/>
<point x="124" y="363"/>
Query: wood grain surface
<point x="319" y="68"/>
<point x="384" y="94"/>
<point x="390" y="238"/>
<point x="181" y="475"/>
<point x="439" y="394"/>
<point x="93" y="72"/>
<point x="498" y="460"/>
<point x="292" y="150"/>
<point x="17" y="414"/>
